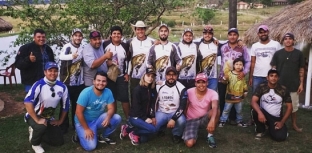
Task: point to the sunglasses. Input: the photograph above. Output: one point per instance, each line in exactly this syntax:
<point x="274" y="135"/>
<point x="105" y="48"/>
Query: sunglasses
<point x="53" y="92"/>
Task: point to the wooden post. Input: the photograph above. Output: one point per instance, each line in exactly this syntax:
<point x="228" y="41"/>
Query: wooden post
<point x="232" y="14"/>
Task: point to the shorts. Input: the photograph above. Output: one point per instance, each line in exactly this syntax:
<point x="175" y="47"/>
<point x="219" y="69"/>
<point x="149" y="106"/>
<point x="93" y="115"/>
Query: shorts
<point x="119" y="89"/>
<point x="295" y="101"/>
<point x="192" y="126"/>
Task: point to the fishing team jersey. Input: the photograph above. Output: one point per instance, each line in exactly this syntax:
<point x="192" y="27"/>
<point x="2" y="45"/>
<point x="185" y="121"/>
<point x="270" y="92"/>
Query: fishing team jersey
<point x="208" y="59"/>
<point x="139" y="51"/>
<point x="45" y="100"/>
<point x="169" y="97"/>
<point x="188" y="57"/>
<point x="119" y="55"/>
<point x="71" y="72"/>
<point x="163" y="56"/>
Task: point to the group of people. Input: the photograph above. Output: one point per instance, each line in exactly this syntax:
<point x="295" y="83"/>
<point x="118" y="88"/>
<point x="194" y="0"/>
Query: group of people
<point x="171" y="85"/>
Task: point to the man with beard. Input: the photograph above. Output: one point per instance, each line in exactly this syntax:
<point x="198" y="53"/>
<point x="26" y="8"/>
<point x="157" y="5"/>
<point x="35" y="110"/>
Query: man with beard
<point x="71" y="73"/>
<point x="170" y="105"/>
<point x="91" y="117"/>
<point x="289" y="63"/>
<point x="229" y="52"/>
<point x="261" y="55"/>
<point x="139" y="47"/>
<point x="207" y="57"/>
<point x="31" y="59"/>
<point x="163" y="55"/>
<point x="94" y="57"/>
<point x="40" y="103"/>
<point x="267" y="103"/>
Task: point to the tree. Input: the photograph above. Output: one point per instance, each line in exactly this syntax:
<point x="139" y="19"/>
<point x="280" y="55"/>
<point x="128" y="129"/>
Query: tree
<point x="204" y="14"/>
<point x="59" y="17"/>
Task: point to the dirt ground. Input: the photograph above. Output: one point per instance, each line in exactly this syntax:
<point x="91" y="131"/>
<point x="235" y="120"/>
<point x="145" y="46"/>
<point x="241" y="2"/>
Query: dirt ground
<point x="11" y="107"/>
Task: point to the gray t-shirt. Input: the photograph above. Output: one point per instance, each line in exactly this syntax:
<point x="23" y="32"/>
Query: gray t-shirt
<point x="89" y="55"/>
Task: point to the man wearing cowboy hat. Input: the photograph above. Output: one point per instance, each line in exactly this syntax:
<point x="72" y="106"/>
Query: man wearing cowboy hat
<point x="139" y="47"/>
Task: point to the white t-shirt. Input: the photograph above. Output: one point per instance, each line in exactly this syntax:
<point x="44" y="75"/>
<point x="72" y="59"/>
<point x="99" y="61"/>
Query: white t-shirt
<point x="208" y="64"/>
<point x="188" y="56"/>
<point x="264" y="54"/>
<point x="272" y="103"/>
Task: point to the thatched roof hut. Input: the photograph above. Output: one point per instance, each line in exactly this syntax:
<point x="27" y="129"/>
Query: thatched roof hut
<point x="5" y="26"/>
<point x="296" y="19"/>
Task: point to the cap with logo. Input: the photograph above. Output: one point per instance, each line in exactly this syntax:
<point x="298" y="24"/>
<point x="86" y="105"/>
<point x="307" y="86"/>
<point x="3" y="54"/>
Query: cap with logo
<point x="150" y="71"/>
<point x="50" y="65"/>
<point x="233" y="30"/>
<point x="201" y="77"/>
<point x="188" y="30"/>
<point x="171" y="69"/>
<point x="163" y="25"/>
<point x="208" y="29"/>
<point x="290" y="35"/>
<point x="94" y="34"/>
<point x="76" y="30"/>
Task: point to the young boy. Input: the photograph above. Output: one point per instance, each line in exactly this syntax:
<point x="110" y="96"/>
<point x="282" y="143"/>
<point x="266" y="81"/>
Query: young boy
<point x="236" y="91"/>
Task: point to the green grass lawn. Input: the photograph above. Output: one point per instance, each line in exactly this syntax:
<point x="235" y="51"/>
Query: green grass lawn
<point x="230" y="139"/>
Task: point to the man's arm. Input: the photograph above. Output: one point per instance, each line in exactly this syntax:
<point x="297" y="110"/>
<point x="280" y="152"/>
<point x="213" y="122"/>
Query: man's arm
<point x="110" y="113"/>
<point x="30" y="110"/>
<point x="252" y="67"/>
<point x="151" y="57"/>
<point x="301" y="76"/>
<point x="99" y="61"/>
<point x="22" y="59"/>
<point x="281" y="123"/>
<point x="89" y="134"/>
<point x="247" y="60"/>
<point x="214" y="111"/>
<point x="255" y="107"/>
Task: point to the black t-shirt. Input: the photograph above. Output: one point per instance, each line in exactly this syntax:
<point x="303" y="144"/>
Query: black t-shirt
<point x="288" y="65"/>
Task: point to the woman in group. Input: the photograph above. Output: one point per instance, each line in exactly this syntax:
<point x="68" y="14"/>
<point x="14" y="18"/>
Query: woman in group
<point x="142" y="114"/>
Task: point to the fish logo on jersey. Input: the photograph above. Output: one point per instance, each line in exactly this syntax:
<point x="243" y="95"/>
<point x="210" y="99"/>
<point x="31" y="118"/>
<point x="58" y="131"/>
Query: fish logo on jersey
<point x="161" y="64"/>
<point x="187" y="63"/>
<point x="207" y="64"/>
<point x="137" y="61"/>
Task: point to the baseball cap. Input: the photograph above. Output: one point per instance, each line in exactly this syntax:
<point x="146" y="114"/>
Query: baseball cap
<point x="171" y="69"/>
<point x="76" y="30"/>
<point x="201" y="76"/>
<point x="208" y="29"/>
<point x="163" y="25"/>
<point x="288" y="34"/>
<point x="233" y="30"/>
<point x="150" y="71"/>
<point x="264" y="27"/>
<point x="50" y="65"/>
<point x="94" y="34"/>
<point x="187" y="30"/>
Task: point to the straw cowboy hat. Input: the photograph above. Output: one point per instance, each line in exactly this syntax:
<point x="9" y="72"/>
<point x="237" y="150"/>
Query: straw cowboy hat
<point x="139" y="24"/>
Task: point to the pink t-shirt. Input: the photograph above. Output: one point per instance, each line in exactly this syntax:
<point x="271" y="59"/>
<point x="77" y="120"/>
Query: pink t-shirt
<point x="198" y="108"/>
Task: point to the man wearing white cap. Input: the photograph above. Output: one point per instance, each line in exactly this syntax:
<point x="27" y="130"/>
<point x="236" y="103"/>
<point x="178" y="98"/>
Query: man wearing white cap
<point x="139" y="50"/>
<point x="71" y="72"/>
<point x="261" y="55"/>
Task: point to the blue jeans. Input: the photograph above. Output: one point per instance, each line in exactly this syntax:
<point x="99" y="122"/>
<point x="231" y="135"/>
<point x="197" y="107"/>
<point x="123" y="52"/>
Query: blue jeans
<point x="95" y="125"/>
<point x="141" y="128"/>
<point x="227" y="109"/>
<point x="256" y="81"/>
<point x="213" y="84"/>
<point x="163" y="118"/>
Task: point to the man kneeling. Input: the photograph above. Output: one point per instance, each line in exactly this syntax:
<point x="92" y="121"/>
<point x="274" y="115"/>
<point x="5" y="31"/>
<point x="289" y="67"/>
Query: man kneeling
<point x="201" y="111"/>
<point x="90" y="116"/>
<point x="268" y="111"/>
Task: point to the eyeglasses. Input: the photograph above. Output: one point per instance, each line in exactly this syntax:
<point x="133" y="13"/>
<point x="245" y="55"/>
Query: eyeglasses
<point x="53" y="92"/>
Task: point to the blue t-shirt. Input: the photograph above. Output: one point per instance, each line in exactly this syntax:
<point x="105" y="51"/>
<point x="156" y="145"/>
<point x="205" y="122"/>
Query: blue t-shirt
<point x="94" y="105"/>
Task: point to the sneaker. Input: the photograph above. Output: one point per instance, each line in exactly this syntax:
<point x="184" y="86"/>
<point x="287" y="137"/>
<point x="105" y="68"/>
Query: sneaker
<point x="211" y="142"/>
<point x="176" y="139"/>
<point x="106" y="140"/>
<point x="38" y="149"/>
<point x="242" y="124"/>
<point x="134" y="138"/>
<point x="259" y="136"/>
<point x="75" y="138"/>
<point x="123" y="131"/>
<point x="221" y="124"/>
<point x="30" y="130"/>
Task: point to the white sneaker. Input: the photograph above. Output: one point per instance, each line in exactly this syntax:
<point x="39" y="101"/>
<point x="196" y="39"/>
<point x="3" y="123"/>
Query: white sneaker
<point x="38" y="149"/>
<point x="30" y="130"/>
